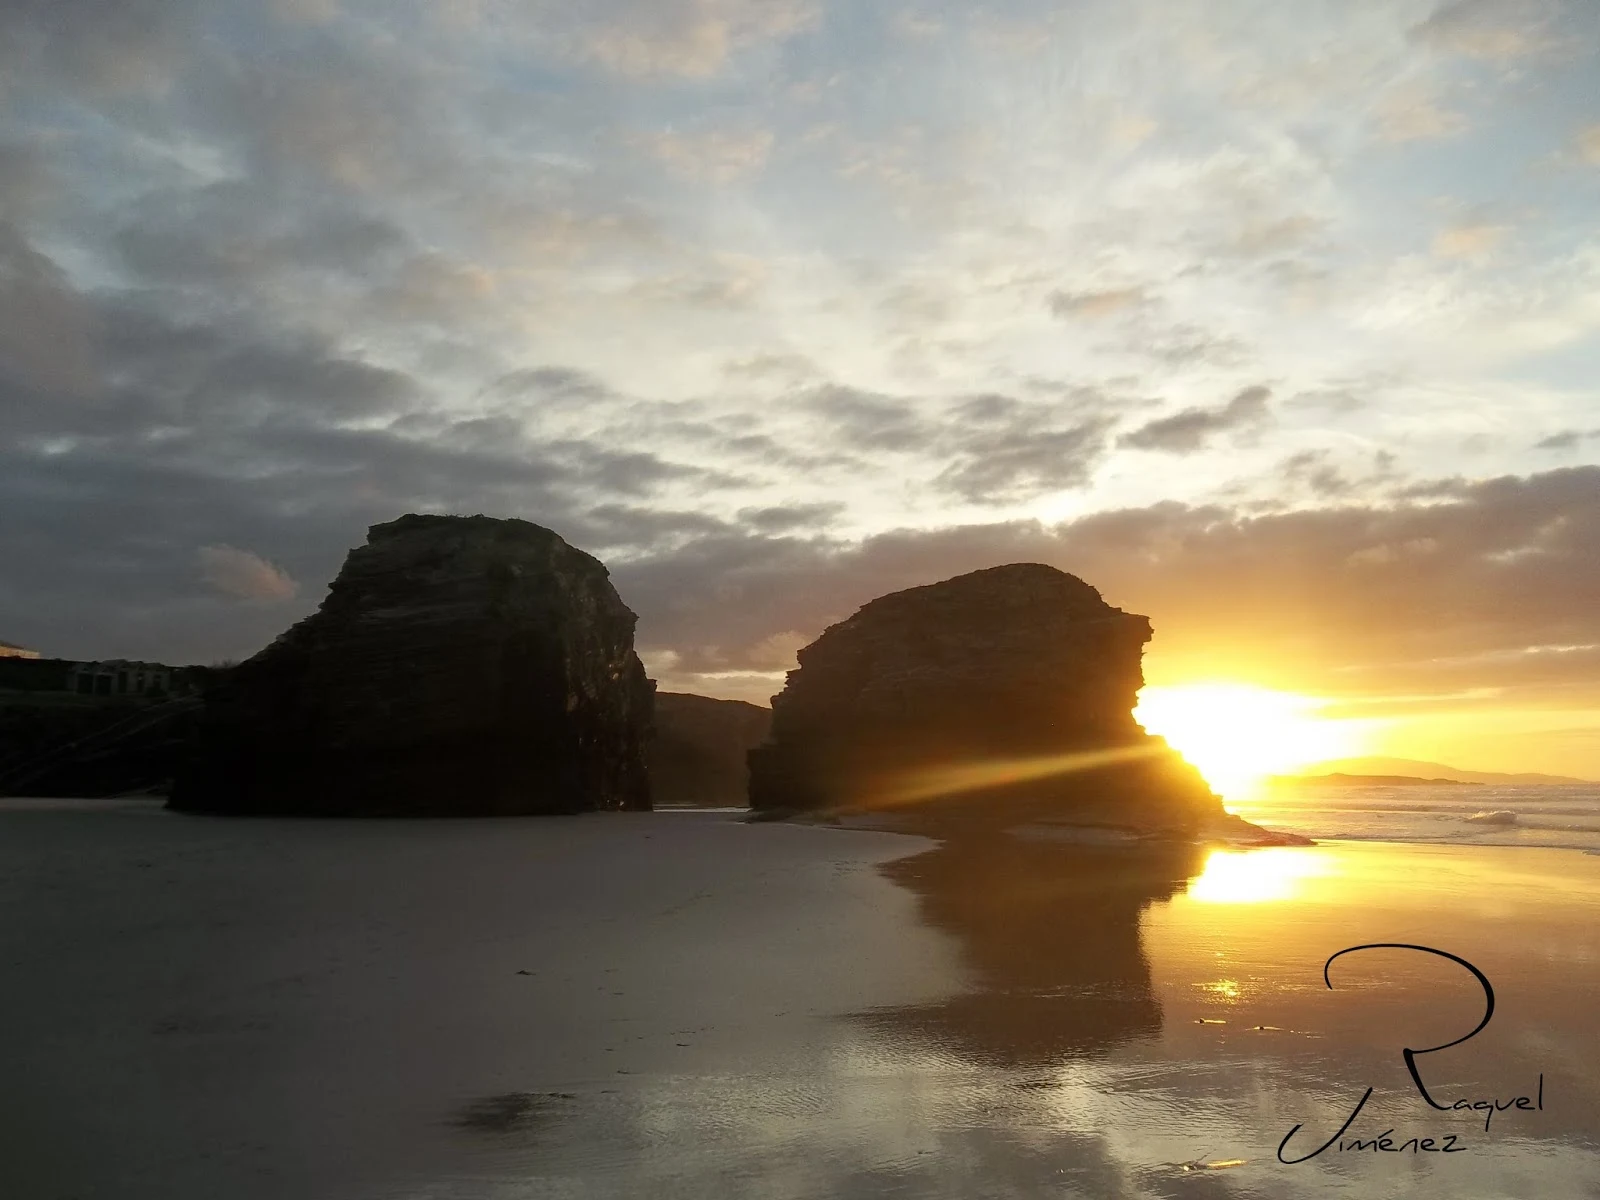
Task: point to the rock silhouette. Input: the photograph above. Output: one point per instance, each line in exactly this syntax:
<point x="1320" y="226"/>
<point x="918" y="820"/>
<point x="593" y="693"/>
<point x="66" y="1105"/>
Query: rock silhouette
<point x="1004" y="694"/>
<point x="697" y="756"/>
<point x="106" y="750"/>
<point x="459" y="666"/>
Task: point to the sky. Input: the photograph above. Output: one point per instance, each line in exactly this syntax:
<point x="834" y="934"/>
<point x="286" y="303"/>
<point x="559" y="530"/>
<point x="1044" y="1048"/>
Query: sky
<point x="1276" y="320"/>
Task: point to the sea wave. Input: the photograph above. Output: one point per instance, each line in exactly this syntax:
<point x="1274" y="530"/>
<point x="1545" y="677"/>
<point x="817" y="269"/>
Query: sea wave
<point x="1525" y="815"/>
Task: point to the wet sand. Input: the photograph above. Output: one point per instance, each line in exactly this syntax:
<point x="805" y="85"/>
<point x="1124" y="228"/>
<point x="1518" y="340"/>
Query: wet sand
<point x="680" y="1004"/>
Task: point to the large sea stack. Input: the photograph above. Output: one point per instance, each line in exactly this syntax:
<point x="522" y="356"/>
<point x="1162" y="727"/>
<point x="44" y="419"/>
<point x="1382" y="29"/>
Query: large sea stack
<point x="459" y="666"/>
<point x="1004" y="694"/>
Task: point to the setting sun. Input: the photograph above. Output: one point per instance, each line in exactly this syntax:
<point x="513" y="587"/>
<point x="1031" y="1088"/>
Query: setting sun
<point x="1237" y="734"/>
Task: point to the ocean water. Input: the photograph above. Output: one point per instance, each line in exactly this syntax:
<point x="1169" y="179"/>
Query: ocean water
<point x="1565" y="817"/>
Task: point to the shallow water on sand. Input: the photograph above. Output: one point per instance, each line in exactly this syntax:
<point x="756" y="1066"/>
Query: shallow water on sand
<point x="680" y="1004"/>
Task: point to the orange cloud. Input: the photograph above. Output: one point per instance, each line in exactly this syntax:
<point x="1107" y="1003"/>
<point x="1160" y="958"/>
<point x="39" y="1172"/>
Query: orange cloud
<point x="244" y="575"/>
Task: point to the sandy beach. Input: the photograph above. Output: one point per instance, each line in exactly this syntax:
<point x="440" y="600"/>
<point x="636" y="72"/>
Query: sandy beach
<point x="682" y="1004"/>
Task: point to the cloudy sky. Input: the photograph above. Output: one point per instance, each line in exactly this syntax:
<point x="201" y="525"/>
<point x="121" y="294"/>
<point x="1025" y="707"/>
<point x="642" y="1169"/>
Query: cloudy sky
<point x="1277" y="320"/>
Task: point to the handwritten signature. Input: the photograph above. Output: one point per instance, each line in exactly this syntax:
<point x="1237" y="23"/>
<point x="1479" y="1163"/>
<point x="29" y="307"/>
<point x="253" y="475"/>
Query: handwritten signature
<point x="1487" y="1106"/>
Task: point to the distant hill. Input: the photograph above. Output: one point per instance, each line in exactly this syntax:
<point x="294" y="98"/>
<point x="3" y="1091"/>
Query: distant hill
<point x="1341" y="779"/>
<point x="1417" y="769"/>
<point x="697" y="756"/>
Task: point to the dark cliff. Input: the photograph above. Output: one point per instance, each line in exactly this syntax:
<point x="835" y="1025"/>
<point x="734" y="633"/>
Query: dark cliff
<point x="697" y="756"/>
<point x="81" y="746"/>
<point x="459" y="666"/>
<point x="1005" y="692"/>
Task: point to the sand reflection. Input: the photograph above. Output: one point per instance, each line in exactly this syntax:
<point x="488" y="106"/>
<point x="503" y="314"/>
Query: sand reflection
<point x="1259" y="875"/>
<point x="1050" y="934"/>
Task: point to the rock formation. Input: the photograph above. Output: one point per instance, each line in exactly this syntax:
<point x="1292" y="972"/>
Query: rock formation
<point x="697" y="756"/>
<point x="1001" y="694"/>
<point x="459" y="666"/>
<point x="123" y="747"/>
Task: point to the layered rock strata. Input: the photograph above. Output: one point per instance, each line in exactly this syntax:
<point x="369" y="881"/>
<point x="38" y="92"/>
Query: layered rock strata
<point x="1004" y="694"/>
<point x="459" y="666"/>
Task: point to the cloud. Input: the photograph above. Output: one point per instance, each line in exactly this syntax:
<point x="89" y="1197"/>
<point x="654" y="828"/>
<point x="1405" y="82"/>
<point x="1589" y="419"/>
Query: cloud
<point x="990" y="449"/>
<point x="786" y="518"/>
<point x="908" y="23"/>
<point x="1497" y="30"/>
<point x="634" y="529"/>
<point x="181" y="382"/>
<point x="782" y="367"/>
<point x="1015" y="468"/>
<point x="243" y="575"/>
<point x="1130" y="129"/>
<point x="434" y="288"/>
<point x="237" y="235"/>
<point x="1023" y="455"/>
<point x="716" y="156"/>
<point x="733" y="285"/>
<point x="872" y="421"/>
<point x="1386" y="553"/>
<point x="1588" y="143"/>
<point x="27" y="180"/>
<point x="1188" y="431"/>
<point x="691" y="38"/>
<point x="1184" y="344"/>
<point x="1103" y="303"/>
<point x="44" y="327"/>
<point x="226" y="432"/>
<point x="1410" y="114"/>
<point x="1473" y="242"/>
<point x="1350" y="599"/>
<point x="108" y="47"/>
<point x="1313" y="470"/>
<point x="275" y="272"/>
<point x="314" y="12"/>
<point x="1276" y="234"/>
<point x="551" y="384"/>
<point x="635" y="473"/>
<point x="1567" y="439"/>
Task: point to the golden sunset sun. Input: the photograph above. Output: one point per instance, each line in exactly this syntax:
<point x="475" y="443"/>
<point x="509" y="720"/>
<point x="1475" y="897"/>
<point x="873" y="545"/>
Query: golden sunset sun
<point x="1237" y="734"/>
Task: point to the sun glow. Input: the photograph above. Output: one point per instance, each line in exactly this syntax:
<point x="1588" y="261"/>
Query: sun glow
<point x="1255" y="876"/>
<point x="1238" y="734"/>
<point x="966" y="777"/>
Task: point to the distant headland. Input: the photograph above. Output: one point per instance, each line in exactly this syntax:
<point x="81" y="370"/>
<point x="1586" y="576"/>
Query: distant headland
<point x="1341" y="779"/>
<point x="1418" y="770"/>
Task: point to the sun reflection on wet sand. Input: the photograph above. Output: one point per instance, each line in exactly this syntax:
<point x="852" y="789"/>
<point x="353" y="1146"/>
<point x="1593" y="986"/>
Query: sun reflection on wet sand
<point x="1229" y="1037"/>
<point x="1237" y="964"/>
<point x="1257" y="876"/>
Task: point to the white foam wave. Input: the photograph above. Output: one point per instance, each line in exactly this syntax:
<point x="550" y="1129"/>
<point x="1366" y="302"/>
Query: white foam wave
<point x="1566" y="817"/>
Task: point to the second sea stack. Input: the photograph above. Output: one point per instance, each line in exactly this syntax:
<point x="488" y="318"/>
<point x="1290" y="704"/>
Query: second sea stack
<point x="459" y="666"/>
<point x="1002" y="694"/>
